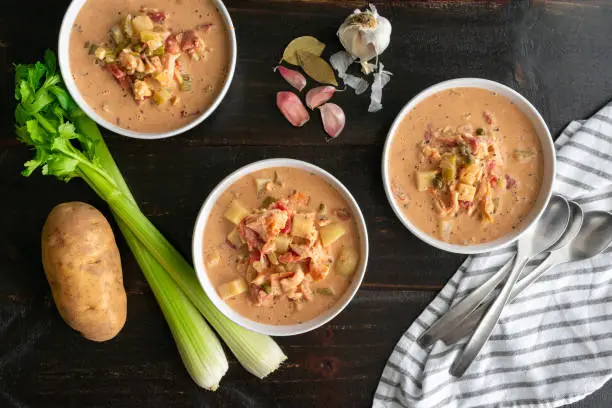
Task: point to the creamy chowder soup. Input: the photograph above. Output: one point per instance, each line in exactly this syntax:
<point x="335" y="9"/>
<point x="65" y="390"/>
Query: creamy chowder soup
<point x="149" y="66"/>
<point x="465" y="166"/>
<point x="281" y="246"/>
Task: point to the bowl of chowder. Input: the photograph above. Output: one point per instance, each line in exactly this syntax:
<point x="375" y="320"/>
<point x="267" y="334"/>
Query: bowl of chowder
<point x="280" y="246"/>
<point x="468" y="165"/>
<point x="149" y="69"/>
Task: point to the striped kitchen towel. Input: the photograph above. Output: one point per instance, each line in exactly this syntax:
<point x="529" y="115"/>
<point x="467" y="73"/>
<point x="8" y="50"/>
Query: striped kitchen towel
<point x="553" y="344"/>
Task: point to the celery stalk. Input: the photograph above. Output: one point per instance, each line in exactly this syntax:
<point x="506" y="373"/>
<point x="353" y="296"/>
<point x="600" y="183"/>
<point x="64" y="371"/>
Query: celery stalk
<point x="200" y="350"/>
<point x="257" y="353"/>
<point x="175" y="306"/>
<point x="198" y="346"/>
<point x="449" y="168"/>
<point x="41" y="117"/>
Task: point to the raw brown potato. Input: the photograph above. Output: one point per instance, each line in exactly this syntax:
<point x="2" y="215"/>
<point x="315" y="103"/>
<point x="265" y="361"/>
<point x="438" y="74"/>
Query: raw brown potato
<point x="83" y="267"/>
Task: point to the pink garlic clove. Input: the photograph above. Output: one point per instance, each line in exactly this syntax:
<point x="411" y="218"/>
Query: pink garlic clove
<point x="319" y="95"/>
<point x="294" y="78"/>
<point x="333" y="119"/>
<point x="293" y="109"/>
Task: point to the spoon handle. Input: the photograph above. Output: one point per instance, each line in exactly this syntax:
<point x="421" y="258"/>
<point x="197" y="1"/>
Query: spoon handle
<point x="526" y="280"/>
<point x="453" y="318"/>
<point x="488" y="322"/>
<point x="470" y="322"/>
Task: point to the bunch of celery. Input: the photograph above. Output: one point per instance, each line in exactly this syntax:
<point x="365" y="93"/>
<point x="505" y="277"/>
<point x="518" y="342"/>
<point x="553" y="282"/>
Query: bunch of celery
<point x="68" y="144"/>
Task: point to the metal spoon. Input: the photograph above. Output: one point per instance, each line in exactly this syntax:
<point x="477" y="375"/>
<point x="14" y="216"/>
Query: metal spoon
<point x="452" y="319"/>
<point x="470" y="322"/>
<point x="553" y="223"/>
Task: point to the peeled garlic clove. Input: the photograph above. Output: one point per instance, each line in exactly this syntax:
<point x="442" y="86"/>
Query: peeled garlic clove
<point x="333" y="119"/>
<point x="319" y="95"/>
<point x="293" y="77"/>
<point x="292" y="108"/>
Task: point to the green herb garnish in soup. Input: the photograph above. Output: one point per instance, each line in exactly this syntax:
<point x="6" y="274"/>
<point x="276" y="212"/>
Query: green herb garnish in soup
<point x="150" y="69"/>
<point x="466" y="166"/>
<point x="281" y="260"/>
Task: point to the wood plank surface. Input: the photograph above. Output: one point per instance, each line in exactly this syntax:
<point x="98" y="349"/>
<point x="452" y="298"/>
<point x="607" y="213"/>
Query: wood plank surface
<point x="556" y="53"/>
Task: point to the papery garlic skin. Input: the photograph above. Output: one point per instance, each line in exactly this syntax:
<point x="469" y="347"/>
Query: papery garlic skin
<point x="365" y="35"/>
<point x="381" y="78"/>
<point x="341" y="61"/>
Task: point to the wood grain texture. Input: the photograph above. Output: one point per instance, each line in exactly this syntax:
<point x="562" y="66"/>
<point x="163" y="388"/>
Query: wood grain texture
<point x="556" y="53"/>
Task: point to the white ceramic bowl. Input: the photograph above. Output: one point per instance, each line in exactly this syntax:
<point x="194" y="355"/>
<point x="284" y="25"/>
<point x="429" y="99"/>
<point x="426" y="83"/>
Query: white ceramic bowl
<point x="548" y="152"/>
<point x="198" y="256"/>
<point x="64" y="63"/>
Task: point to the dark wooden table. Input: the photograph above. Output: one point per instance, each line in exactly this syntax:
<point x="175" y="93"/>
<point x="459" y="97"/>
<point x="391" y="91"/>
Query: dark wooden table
<point x="556" y="53"/>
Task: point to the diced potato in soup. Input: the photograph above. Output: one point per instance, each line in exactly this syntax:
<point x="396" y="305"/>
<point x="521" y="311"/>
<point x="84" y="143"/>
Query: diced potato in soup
<point x="236" y="212"/>
<point x="347" y="261"/>
<point x="331" y="233"/>
<point x="466" y="165"/>
<point x="283" y="257"/>
<point x="152" y="66"/>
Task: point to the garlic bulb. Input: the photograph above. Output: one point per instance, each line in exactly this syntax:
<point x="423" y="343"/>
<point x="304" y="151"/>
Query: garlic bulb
<point x="365" y="35"/>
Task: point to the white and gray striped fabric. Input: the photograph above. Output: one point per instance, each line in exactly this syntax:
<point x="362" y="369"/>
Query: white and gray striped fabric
<point x="553" y="344"/>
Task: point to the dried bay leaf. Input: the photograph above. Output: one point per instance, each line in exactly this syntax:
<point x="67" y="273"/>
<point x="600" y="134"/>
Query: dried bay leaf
<point x="304" y="44"/>
<point x="316" y="68"/>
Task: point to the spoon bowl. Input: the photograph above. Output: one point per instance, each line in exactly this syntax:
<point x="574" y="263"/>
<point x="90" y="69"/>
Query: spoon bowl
<point x="594" y="237"/>
<point x="549" y="230"/>
<point x="573" y="228"/>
